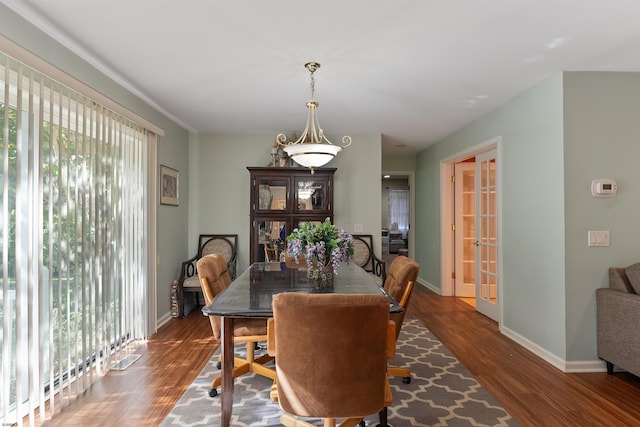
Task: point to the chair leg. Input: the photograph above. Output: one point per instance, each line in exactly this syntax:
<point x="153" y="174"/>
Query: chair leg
<point x="396" y="371"/>
<point x="352" y="422"/>
<point x="237" y="371"/>
<point x="244" y="366"/>
<point x="291" y="421"/>
<point x="382" y="416"/>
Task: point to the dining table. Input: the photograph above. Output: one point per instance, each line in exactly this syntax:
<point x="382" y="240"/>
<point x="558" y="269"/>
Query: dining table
<point x="251" y="294"/>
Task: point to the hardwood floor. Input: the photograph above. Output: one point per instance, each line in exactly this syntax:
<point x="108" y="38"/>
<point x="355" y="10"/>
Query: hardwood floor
<point x="534" y="392"/>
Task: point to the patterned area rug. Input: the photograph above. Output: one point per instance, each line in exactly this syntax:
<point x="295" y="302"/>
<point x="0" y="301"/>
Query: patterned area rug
<point x="442" y="392"/>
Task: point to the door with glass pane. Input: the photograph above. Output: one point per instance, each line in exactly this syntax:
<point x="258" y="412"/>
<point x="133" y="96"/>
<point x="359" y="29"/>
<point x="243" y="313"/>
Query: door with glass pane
<point x="465" y="256"/>
<point x="486" y="225"/>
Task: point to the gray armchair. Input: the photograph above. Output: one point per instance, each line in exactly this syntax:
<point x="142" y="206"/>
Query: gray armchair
<point x="618" y="319"/>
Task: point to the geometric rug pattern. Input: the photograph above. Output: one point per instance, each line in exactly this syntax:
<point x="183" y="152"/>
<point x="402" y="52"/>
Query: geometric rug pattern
<point x="442" y="392"/>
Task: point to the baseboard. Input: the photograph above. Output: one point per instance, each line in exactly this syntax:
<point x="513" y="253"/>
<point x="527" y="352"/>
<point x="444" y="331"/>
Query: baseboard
<point x="164" y="319"/>
<point x="581" y="366"/>
<point x="429" y="286"/>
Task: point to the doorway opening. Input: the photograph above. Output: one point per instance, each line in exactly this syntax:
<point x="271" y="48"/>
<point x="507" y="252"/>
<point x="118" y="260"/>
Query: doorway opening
<point x="397" y="215"/>
<point x="470" y="228"/>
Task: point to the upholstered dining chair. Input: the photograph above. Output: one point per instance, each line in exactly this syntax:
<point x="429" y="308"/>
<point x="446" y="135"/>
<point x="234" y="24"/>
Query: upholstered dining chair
<point x="331" y="352"/>
<point x="188" y="281"/>
<point x="365" y="257"/>
<point x="403" y="274"/>
<point x="214" y="278"/>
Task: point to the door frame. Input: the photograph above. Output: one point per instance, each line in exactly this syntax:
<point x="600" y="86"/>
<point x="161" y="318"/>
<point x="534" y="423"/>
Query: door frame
<point x="411" y="178"/>
<point x="447" y="213"/>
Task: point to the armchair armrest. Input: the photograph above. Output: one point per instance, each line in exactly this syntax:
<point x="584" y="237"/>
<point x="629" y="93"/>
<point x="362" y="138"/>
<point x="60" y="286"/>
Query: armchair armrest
<point x="379" y="267"/>
<point x="187" y="269"/>
<point x="231" y="265"/>
<point x="271" y="338"/>
<point x="391" y="340"/>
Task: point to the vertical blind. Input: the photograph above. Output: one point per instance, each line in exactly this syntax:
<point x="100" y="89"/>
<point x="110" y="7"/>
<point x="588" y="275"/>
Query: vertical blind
<point x="73" y="259"/>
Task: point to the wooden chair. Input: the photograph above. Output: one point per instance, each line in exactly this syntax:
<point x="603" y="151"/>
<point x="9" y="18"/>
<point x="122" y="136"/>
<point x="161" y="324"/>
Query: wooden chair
<point x="214" y="278"/>
<point x="365" y="257"/>
<point x="271" y="252"/>
<point x="331" y="352"/>
<point x="188" y="281"/>
<point x="403" y="274"/>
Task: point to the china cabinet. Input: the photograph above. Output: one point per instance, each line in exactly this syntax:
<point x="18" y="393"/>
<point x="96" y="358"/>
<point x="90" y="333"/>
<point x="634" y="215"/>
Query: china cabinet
<point x="280" y="199"/>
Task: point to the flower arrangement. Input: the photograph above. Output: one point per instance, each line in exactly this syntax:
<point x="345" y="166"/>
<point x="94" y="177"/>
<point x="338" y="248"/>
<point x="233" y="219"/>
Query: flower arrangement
<point x="320" y="243"/>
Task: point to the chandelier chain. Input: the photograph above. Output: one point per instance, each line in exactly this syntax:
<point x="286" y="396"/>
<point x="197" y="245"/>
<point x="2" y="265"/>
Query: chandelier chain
<point x="313" y="82"/>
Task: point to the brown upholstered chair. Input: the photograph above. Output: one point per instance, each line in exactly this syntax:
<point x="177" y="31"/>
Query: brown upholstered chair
<point x="365" y="257"/>
<point x="331" y="353"/>
<point x="214" y="278"/>
<point x="403" y="274"/>
<point x="188" y="281"/>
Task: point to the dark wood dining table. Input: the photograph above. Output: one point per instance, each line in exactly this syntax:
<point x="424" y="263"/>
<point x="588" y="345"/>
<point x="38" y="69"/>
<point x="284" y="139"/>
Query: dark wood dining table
<point x="250" y="296"/>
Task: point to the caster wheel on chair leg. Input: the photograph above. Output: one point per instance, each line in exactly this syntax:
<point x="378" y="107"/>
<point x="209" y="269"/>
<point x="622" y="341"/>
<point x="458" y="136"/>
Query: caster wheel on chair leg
<point x="219" y="365"/>
<point x="362" y="424"/>
<point x="406" y="380"/>
<point x="213" y="392"/>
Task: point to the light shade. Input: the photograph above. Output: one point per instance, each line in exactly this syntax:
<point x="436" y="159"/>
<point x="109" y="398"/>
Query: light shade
<point x="312" y="155"/>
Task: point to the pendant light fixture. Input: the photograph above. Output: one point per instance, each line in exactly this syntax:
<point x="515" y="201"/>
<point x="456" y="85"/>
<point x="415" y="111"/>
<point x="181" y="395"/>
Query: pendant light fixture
<point x="312" y="149"/>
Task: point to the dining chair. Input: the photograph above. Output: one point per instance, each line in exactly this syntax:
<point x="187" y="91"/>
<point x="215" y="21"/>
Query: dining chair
<point x="188" y="281"/>
<point x="403" y="274"/>
<point x="365" y="257"/>
<point x="331" y="352"/>
<point x="214" y="278"/>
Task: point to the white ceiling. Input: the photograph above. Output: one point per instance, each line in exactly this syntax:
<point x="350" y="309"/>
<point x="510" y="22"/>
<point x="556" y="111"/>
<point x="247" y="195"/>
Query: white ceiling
<point x="414" y="71"/>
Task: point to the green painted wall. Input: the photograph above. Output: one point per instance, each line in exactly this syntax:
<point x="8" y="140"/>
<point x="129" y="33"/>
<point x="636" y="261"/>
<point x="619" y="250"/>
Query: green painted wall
<point x="399" y="163"/>
<point x="556" y="138"/>
<point x="219" y="185"/>
<point x="602" y="140"/>
<point x="532" y="173"/>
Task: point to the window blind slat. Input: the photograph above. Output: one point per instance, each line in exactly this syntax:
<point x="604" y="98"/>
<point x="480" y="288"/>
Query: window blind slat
<point x="74" y="218"/>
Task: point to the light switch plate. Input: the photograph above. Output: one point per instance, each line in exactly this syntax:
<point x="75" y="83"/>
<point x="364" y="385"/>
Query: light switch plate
<point x="358" y="228"/>
<point x="598" y="238"/>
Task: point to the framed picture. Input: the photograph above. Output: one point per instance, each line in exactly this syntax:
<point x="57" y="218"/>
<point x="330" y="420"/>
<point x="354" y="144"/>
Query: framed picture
<point x="168" y="186"/>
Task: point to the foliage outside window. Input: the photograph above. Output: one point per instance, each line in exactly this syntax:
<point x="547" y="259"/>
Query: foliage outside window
<point x="73" y="220"/>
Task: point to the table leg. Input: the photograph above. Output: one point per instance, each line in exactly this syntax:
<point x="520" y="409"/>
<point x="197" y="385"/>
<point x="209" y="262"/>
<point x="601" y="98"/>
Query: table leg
<point x="227" y="370"/>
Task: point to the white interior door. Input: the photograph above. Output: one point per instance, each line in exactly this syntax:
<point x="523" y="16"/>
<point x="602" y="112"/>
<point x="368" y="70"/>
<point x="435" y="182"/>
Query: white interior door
<point x="486" y="243"/>
<point x="464" y="234"/>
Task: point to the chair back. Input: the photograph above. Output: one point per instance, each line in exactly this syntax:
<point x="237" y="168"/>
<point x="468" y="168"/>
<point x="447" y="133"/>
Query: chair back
<point x="214" y="278"/>
<point x="364" y="256"/>
<point x="403" y="273"/>
<point x="224" y="244"/>
<point x="331" y="352"/>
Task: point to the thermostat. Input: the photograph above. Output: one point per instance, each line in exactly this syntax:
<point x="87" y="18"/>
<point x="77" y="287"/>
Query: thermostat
<point x="604" y="187"/>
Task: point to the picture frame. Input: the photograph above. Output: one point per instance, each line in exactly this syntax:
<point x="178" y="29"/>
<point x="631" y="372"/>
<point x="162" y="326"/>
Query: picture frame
<point x="169" y="185"/>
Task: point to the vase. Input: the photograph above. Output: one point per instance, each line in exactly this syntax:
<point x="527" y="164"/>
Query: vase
<point x="320" y="274"/>
<point x="265" y="196"/>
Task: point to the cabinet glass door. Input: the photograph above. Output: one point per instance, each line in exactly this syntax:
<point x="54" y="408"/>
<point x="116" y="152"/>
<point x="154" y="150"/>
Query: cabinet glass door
<point x="311" y="194"/>
<point x="272" y="194"/>
<point x="271" y="239"/>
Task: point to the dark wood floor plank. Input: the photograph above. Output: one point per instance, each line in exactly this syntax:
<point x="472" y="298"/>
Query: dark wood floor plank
<point x="532" y="390"/>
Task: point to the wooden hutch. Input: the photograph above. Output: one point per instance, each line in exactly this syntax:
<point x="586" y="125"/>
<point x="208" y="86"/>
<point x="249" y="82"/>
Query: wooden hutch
<point x="281" y="198"/>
